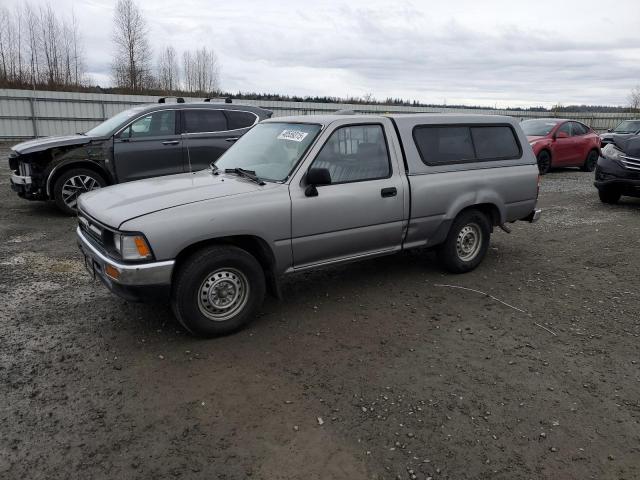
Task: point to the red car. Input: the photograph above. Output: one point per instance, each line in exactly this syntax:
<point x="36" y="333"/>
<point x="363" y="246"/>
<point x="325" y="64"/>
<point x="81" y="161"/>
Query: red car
<point x="562" y="143"/>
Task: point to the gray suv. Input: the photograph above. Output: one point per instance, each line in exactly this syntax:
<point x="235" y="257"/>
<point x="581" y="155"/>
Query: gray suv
<point x="146" y="141"/>
<point x="298" y="193"/>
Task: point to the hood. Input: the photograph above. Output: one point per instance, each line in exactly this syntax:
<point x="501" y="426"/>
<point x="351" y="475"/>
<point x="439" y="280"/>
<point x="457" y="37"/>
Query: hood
<point x="117" y="204"/>
<point x="533" y="138"/>
<point x="629" y="144"/>
<point x="40" y="144"/>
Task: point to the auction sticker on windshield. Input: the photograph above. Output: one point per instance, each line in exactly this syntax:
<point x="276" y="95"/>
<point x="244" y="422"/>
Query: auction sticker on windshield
<point x="293" y="135"/>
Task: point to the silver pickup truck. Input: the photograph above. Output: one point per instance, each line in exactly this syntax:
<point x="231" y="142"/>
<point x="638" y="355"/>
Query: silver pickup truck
<point x="304" y="192"/>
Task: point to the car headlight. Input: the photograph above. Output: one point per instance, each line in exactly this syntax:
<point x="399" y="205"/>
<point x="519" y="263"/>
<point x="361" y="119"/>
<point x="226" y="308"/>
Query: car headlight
<point x="611" y="152"/>
<point x="131" y="246"/>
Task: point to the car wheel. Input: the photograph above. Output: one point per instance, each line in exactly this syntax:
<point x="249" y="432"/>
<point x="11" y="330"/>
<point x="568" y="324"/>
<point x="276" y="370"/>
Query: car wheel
<point x="544" y="162"/>
<point x="467" y="242"/>
<point x="71" y="184"/>
<point x="609" y="196"/>
<point x="217" y="290"/>
<point x="591" y="161"/>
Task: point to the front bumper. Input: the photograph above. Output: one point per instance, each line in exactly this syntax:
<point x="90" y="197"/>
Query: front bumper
<point x="134" y="281"/>
<point x="25" y="187"/>
<point x="612" y="176"/>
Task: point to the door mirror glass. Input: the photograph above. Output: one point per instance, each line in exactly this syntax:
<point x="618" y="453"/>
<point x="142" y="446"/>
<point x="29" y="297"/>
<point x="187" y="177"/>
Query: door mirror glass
<point x="318" y="176"/>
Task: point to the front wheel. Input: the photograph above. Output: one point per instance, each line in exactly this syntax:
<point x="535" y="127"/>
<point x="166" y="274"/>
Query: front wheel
<point x="590" y="162"/>
<point x="71" y="184"/>
<point x="467" y="242"/>
<point x="217" y="290"/>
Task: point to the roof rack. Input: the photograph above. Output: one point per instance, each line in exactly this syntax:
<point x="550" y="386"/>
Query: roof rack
<point x="163" y="99"/>
<point x="226" y="100"/>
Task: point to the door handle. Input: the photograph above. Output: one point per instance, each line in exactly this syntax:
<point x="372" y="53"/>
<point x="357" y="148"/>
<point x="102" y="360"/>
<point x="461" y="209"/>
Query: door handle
<point x="389" y="192"/>
<point x="232" y="139"/>
<point x="171" y="142"/>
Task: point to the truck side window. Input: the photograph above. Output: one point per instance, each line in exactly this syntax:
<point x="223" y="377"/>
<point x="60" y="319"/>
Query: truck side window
<point x="442" y="145"/>
<point x="494" y="143"/>
<point x="355" y="153"/>
<point x="446" y="145"/>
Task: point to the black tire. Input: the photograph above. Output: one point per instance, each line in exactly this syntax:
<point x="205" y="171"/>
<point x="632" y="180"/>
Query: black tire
<point x="544" y="162"/>
<point x="451" y="252"/>
<point x="590" y="162"/>
<point x="609" y="196"/>
<point x="207" y="277"/>
<point x="68" y="187"/>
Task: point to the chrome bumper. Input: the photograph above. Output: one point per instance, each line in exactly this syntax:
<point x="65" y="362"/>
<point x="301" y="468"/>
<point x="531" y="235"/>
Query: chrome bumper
<point x="144" y="274"/>
<point x="20" y="179"/>
<point x="536" y="215"/>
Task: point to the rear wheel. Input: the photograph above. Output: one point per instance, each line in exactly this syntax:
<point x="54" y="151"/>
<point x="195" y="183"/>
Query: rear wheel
<point x="590" y="162"/>
<point x="544" y="162"/>
<point x="467" y="242"/>
<point x="71" y="184"/>
<point x="217" y="290"/>
<point x="609" y="196"/>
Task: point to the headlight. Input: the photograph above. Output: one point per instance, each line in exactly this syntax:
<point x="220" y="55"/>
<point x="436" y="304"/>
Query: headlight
<point x="611" y="152"/>
<point x="131" y="247"/>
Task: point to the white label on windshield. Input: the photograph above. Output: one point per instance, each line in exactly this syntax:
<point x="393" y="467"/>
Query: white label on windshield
<point x="293" y="135"/>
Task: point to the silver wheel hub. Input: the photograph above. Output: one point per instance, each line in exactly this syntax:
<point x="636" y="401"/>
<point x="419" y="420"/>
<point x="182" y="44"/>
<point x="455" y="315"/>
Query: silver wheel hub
<point x="223" y="294"/>
<point x="76" y="185"/>
<point x="469" y="242"/>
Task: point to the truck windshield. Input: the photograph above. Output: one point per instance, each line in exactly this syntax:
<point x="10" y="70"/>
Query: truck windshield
<point x="271" y="150"/>
<point x="537" y="128"/>
<point x="111" y="125"/>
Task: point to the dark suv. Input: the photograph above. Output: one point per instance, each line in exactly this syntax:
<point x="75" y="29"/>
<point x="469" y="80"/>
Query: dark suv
<point x="618" y="170"/>
<point x="146" y="141"/>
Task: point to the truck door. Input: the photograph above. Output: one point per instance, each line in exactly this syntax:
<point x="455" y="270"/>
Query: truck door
<point x="360" y="212"/>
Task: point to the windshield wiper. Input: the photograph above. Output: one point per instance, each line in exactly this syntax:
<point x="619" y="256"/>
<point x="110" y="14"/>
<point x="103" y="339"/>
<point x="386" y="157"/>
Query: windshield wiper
<point x="250" y="174"/>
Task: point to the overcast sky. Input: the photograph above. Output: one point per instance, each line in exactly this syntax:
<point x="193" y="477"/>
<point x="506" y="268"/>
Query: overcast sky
<point x="517" y="53"/>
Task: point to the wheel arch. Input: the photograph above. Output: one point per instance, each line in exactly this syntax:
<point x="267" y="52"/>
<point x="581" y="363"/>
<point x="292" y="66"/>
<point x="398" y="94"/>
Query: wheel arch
<point x="61" y="168"/>
<point x="490" y="209"/>
<point x="254" y="245"/>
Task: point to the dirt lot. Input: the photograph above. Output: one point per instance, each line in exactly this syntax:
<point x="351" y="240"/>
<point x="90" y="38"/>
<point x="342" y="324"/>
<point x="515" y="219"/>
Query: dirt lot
<point x="409" y="379"/>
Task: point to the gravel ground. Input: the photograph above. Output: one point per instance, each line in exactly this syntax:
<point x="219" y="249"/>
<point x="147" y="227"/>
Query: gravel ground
<point x="369" y="370"/>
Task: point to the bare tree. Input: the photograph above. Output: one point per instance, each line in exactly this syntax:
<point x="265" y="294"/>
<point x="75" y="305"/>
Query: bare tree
<point x="51" y="42"/>
<point x="168" y="70"/>
<point x="37" y="46"/>
<point x="201" y="71"/>
<point x="634" y="98"/>
<point x="132" y="62"/>
<point x="32" y="26"/>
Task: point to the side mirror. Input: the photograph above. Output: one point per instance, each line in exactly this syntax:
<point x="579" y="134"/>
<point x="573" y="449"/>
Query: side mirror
<point x="562" y="135"/>
<point x="316" y="177"/>
<point x="609" y="130"/>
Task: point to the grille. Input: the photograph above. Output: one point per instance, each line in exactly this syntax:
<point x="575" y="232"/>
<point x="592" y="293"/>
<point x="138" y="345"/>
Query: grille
<point x="92" y="230"/>
<point x="631" y="163"/>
